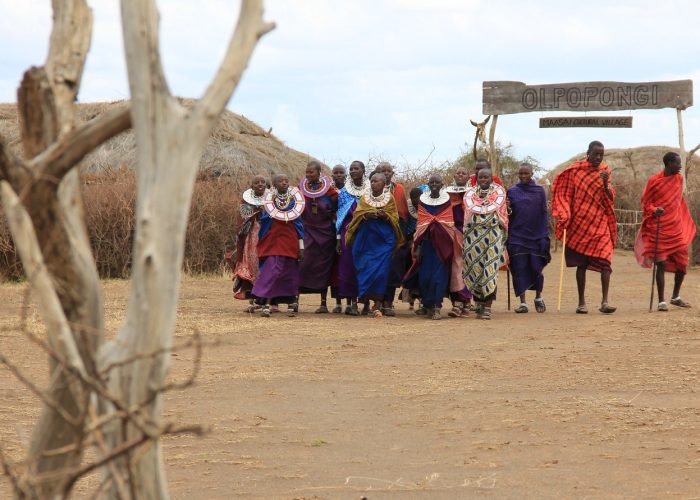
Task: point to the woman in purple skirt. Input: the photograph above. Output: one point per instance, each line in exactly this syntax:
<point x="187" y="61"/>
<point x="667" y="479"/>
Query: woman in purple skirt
<point x="280" y="246"/>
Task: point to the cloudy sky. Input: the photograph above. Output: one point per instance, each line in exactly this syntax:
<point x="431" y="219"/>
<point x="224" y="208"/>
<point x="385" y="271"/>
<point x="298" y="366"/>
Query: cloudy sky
<point x="397" y="79"/>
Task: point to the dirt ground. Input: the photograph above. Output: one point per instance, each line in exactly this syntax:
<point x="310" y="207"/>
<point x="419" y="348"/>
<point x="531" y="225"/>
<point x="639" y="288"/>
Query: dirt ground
<point x="527" y="406"/>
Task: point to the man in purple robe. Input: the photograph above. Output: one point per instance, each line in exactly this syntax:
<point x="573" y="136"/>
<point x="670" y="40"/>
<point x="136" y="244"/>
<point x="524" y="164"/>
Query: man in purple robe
<point x="528" y="238"/>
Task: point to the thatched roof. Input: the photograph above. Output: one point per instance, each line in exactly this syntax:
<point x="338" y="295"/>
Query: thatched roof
<point x="236" y="147"/>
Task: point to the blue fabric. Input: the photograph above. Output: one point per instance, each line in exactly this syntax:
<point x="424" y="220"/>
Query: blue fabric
<point x="345" y="204"/>
<point x="372" y="248"/>
<point x="432" y="277"/>
<point x="266" y="224"/>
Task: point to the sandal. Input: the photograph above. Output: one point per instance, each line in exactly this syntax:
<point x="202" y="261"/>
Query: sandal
<point x="455" y="312"/>
<point x="680" y="302"/>
<point x="464" y="312"/>
<point x="388" y="311"/>
<point x="421" y="311"/>
<point x="377" y="313"/>
<point x="663" y="307"/>
<point x="322" y="310"/>
<point x="338" y="309"/>
<point x="365" y="311"/>
<point x="354" y="311"/>
<point x="291" y="312"/>
<point x="484" y="313"/>
<point x="539" y="305"/>
<point x="294" y="306"/>
<point x="436" y="314"/>
<point x="250" y="309"/>
<point x="265" y="313"/>
<point x="606" y="309"/>
<point x="582" y="309"/>
<point x="522" y="308"/>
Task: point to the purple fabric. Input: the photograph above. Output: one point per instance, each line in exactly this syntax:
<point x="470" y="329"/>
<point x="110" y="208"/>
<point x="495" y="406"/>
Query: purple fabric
<point x="347" y="274"/>
<point x="529" y="223"/>
<point x="577" y="259"/>
<point x="526" y="269"/>
<point x="464" y="295"/>
<point x="278" y="278"/>
<point x="319" y="245"/>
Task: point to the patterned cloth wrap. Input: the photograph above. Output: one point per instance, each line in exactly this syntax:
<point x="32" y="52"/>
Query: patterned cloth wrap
<point x="485" y="232"/>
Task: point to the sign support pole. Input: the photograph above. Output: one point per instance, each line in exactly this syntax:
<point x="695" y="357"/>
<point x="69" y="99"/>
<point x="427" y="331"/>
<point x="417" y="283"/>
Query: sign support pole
<point x="681" y="146"/>
<point x="493" y="157"/>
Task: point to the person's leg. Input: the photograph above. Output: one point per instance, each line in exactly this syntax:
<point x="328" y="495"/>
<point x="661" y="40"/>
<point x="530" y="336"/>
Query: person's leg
<point x="605" y="284"/>
<point x="677" y="282"/>
<point x="323" y="308"/>
<point x="365" y="307"/>
<point x="522" y="298"/>
<point x="539" y="301"/>
<point x="388" y="304"/>
<point x="581" y="285"/>
<point x="486" y="309"/>
<point x="661" y="280"/>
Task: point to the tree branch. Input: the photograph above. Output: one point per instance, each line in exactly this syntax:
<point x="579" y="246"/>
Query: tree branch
<point x="249" y="29"/>
<point x="68" y="48"/>
<point x="45" y="398"/>
<point x="57" y="160"/>
<point x="37" y="273"/>
<point x="12" y="168"/>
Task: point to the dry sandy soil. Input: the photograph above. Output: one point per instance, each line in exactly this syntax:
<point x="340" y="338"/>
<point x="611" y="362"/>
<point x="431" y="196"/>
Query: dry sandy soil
<point x="552" y="405"/>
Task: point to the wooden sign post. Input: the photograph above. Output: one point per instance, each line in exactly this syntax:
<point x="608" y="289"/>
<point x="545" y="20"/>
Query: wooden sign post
<point x="503" y="98"/>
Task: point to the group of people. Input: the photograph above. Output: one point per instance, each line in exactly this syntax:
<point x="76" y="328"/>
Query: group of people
<point x="363" y="238"/>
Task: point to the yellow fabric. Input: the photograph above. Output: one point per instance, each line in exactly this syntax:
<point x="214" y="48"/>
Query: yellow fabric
<point x="363" y="208"/>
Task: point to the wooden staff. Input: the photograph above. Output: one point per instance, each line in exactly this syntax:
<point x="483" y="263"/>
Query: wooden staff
<point x="561" y="270"/>
<point x="508" y="281"/>
<point x="653" y="267"/>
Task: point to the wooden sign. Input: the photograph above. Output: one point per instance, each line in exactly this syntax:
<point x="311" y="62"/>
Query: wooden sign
<point x="503" y="98"/>
<point x="586" y="121"/>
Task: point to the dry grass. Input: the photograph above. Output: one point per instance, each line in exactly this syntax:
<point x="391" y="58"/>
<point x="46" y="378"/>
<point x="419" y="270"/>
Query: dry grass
<point x="236" y="150"/>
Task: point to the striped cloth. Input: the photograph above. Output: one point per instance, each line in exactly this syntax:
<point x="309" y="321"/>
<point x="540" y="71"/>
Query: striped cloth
<point x="582" y="207"/>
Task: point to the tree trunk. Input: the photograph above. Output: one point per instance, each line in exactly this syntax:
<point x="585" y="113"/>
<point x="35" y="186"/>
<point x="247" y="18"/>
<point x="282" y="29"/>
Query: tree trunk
<point x="169" y="143"/>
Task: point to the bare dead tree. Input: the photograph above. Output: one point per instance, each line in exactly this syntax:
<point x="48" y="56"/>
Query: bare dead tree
<point x="109" y="394"/>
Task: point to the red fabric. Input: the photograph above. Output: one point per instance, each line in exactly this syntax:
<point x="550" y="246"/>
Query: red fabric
<point x="401" y="203"/>
<point x="281" y="240"/>
<point x="676" y="226"/>
<point x="472" y="180"/>
<point x="582" y="207"/>
<point x="447" y="241"/>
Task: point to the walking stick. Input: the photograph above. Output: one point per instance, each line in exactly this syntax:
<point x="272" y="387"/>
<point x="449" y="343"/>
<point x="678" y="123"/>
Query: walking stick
<point x="653" y="267"/>
<point x="508" y="280"/>
<point x="561" y="270"/>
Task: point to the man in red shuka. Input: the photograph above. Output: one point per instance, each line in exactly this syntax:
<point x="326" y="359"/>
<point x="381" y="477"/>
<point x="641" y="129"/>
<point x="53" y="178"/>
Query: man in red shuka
<point x="582" y="203"/>
<point x="665" y="210"/>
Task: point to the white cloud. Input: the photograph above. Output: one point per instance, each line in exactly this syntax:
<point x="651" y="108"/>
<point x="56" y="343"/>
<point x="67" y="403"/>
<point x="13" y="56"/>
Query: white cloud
<point x="347" y="79"/>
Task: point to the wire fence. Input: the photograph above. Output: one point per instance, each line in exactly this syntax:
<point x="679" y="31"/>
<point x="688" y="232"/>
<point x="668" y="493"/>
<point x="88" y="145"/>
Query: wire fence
<point x="628" y="224"/>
